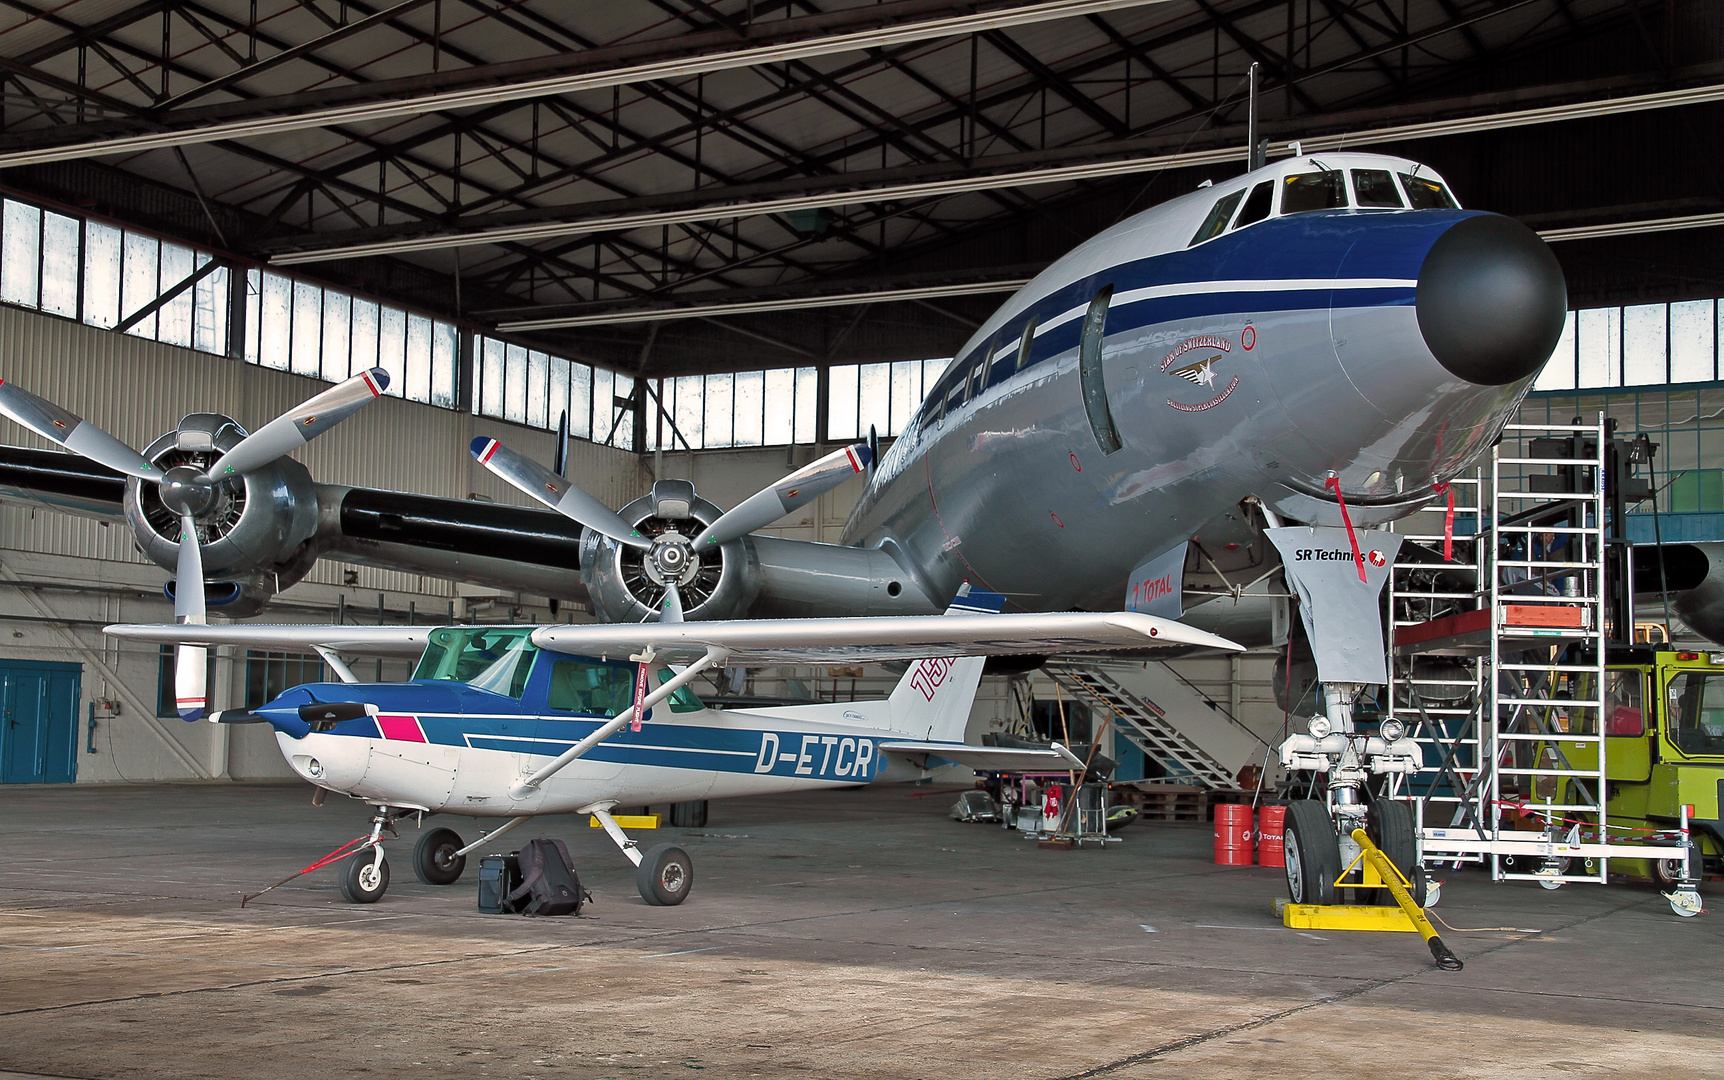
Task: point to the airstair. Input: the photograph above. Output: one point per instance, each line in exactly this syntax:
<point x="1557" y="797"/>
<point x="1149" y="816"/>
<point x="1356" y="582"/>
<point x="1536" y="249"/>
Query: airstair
<point x="1149" y="724"/>
<point x="1531" y="644"/>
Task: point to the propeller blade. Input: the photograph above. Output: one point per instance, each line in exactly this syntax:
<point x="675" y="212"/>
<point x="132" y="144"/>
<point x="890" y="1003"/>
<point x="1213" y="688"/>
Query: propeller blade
<point x="671" y="609"/>
<point x="799" y="488"/>
<point x="296" y="427"/>
<point x="190" y="670"/>
<point x="73" y="432"/>
<point x="555" y="492"/>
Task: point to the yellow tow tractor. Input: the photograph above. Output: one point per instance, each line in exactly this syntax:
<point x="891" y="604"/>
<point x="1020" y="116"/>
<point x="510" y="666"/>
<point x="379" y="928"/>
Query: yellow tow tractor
<point x="1664" y="762"/>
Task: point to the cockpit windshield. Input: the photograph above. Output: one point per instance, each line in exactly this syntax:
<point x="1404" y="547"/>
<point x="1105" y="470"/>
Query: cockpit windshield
<point x="494" y="658"/>
<point x="1312" y="191"/>
<point x="1427" y="194"/>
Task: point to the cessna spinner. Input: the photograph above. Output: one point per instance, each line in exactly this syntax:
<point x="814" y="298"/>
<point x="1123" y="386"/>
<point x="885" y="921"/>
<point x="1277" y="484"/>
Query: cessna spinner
<point x="517" y="721"/>
<point x="1324" y="331"/>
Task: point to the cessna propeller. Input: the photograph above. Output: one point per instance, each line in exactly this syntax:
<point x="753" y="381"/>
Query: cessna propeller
<point x="656" y="546"/>
<point x="188" y="491"/>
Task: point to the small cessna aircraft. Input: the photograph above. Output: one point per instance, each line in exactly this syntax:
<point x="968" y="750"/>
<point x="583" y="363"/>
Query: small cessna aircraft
<point x="517" y="721"/>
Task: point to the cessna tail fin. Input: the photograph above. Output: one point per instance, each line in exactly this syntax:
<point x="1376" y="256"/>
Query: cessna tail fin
<point x="934" y="697"/>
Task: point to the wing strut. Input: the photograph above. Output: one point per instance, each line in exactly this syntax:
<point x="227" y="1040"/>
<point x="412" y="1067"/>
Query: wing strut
<point x="525" y="787"/>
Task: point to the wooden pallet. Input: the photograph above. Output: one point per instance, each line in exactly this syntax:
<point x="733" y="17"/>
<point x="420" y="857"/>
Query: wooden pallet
<point x="1170" y="802"/>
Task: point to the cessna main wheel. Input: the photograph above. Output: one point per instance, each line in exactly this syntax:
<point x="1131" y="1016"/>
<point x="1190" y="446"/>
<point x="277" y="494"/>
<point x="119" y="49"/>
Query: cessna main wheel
<point x="665" y="876"/>
<point x="437" y="859"/>
<point x="1313" y="855"/>
<point x="364" y="877"/>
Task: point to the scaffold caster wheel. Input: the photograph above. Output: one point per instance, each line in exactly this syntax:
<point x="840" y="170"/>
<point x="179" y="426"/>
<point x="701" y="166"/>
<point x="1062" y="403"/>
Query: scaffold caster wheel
<point x="1433" y="891"/>
<point x="1684" y="901"/>
<point x="1552" y="872"/>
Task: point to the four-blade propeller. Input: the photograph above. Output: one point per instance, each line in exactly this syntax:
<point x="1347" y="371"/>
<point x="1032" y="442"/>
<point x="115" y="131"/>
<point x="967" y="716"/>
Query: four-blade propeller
<point x="188" y="492"/>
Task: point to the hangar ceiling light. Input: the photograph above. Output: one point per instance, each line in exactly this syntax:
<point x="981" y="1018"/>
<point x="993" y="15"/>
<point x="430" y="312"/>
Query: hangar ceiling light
<point x="1632" y="228"/>
<point x="679" y="67"/>
<point x="746" y="307"/>
<point x="1020" y="178"/>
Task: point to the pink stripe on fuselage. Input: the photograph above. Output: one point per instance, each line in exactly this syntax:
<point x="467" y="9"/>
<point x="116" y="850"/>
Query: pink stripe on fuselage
<point x="404" y="728"/>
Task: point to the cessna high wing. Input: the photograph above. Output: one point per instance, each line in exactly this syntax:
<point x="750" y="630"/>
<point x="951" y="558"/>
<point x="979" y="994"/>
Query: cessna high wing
<point x="1325" y="333"/>
<point x="517" y="721"/>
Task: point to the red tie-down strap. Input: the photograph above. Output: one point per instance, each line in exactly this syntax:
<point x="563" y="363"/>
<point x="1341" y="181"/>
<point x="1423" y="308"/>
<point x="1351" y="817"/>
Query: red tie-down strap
<point x="1334" y="484"/>
<point x="1448" y="522"/>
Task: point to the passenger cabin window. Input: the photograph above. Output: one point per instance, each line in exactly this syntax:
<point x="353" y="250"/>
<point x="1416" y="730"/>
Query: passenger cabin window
<point x="1219" y="215"/>
<point x="489" y="658"/>
<point x="1026" y="343"/>
<point x="682" y="699"/>
<point x="1375" y="187"/>
<point x="1257" y="207"/>
<point x="591" y="689"/>
<point x="979" y="372"/>
<point x="1312" y="191"/>
<point x="1090" y="373"/>
<point x="1426" y="194"/>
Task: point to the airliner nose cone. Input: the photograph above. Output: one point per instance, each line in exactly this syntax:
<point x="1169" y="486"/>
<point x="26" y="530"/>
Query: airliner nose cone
<point x="1491" y="300"/>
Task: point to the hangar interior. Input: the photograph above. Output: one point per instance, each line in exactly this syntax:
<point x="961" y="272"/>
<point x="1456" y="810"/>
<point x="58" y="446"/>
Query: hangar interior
<point x="716" y="241"/>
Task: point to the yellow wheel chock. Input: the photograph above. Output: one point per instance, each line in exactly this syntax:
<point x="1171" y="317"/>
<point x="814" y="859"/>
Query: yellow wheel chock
<point x="1378" y="872"/>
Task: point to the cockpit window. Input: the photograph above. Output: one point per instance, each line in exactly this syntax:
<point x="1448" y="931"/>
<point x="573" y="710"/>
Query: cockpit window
<point x="1312" y="191"/>
<point x="494" y="658"/>
<point x="1375" y="187"/>
<point x="1216" y="223"/>
<point x="1258" y="205"/>
<point x="1427" y="194"/>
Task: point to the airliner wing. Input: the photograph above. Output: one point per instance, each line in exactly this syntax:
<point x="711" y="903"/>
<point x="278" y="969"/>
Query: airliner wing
<point x="758" y="642"/>
<point x="408" y="641"/>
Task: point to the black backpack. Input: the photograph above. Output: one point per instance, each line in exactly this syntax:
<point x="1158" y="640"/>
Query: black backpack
<point x="548" y="882"/>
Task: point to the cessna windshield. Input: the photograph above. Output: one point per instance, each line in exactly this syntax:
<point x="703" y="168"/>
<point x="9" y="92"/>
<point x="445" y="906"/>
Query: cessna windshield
<point x="494" y="658"/>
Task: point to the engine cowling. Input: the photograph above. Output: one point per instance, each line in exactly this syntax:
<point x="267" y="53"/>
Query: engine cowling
<point x="255" y="535"/>
<point x="627" y="584"/>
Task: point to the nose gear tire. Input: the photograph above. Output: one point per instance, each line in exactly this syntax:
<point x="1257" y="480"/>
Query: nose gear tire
<point x="1313" y="853"/>
<point x="364" y="878"/>
<point x="1389" y="824"/>
<point x="665" y="876"/>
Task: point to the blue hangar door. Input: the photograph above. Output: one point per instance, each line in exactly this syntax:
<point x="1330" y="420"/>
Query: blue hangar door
<point x="38" y="722"/>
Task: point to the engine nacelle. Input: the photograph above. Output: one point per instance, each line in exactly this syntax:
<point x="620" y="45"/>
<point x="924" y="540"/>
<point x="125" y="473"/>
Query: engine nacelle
<point x="627" y="584"/>
<point x="254" y="535"/>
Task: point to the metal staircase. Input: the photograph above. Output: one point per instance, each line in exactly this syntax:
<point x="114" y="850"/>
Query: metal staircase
<point x="1142" y="723"/>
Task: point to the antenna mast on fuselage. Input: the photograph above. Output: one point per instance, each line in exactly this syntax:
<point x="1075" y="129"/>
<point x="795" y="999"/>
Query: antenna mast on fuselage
<point x="1256" y="150"/>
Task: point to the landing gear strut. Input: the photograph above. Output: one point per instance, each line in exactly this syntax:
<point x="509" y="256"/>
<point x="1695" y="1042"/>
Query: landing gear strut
<point x="664" y="875"/>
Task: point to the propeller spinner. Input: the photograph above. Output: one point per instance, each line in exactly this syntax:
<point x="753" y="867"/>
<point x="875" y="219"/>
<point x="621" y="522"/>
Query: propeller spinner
<point x="188" y="492"/>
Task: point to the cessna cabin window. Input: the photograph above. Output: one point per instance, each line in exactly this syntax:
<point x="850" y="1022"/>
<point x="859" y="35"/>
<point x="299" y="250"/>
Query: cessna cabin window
<point x="1375" y="187"/>
<point x="591" y="689"/>
<point x="1312" y="191"/>
<point x="1219" y="215"/>
<point x="1257" y="207"/>
<point x="682" y="699"/>
<point x="494" y="658"/>
<point x="1427" y="194"/>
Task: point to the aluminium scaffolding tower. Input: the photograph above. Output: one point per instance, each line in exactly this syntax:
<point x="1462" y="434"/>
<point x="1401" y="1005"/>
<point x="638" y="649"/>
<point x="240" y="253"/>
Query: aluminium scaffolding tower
<point x="1525" y="685"/>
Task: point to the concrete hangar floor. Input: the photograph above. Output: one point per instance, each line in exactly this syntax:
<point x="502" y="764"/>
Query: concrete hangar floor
<point x="840" y="934"/>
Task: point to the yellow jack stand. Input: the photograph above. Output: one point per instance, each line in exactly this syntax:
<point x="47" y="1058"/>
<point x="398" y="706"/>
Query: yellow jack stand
<point x="1377" y="872"/>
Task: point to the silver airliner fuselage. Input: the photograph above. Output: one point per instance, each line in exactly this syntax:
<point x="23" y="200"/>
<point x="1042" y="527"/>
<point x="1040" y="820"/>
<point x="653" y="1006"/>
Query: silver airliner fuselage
<point x="1143" y="386"/>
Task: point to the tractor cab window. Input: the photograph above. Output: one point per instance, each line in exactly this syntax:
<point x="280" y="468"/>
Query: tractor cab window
<point x="1696" y="712"/>
<point x="1623" y="712"/>
<point x="591" y="688"/>
<point x="1312" y="191"/>
<point x="1427" y="194"/>
<point x="494" y="658"/>
<point x="682" y="699"/>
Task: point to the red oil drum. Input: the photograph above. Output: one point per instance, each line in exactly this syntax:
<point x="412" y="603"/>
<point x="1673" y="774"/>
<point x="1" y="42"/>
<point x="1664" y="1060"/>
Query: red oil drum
<point x="1233" y="834"/>
<point x="1270" y="848"/>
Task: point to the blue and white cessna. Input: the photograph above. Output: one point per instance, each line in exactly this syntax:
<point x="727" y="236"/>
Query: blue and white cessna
<point x="517" y="721"/>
